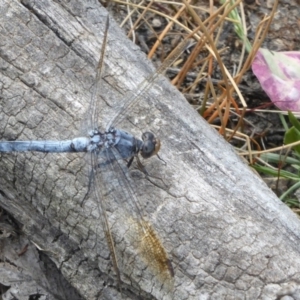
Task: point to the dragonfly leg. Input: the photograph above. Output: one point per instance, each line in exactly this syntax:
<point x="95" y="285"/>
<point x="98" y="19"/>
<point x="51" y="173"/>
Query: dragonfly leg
<point x="161" y="159"/>
<point x="130" y="162"/>
<point x="142" y="169"/>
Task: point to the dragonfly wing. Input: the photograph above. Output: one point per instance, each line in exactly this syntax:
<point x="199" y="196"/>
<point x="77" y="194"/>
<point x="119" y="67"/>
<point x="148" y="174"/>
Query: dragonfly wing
<point x="93" y="109"/>
<point x="99" y="189"/>
<point x="136" y="242"/>
<point x="133" y="97"/>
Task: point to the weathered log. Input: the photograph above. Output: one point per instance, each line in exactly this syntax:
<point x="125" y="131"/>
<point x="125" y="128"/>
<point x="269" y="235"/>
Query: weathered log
<point x="228" y="236"/>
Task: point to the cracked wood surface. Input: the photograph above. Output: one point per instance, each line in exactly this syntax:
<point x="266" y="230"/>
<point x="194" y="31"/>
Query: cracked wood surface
<point x="227" y="234"/>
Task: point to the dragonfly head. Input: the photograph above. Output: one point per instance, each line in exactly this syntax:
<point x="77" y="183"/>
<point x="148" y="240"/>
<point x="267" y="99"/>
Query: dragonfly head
<point x="151" y="145"/>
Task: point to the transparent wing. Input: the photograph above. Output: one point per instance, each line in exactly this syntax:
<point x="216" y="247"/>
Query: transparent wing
<point x="99" y="191"/>
<point x="122" y="221"/>
<point x="131" y="98"/>
<point x="94" y="107"/>
<point x="97" y="186"/>
<point x="132" y="239"/>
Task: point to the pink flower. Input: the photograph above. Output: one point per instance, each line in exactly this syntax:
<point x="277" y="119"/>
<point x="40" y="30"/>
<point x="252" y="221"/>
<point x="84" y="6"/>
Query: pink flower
<point x="279" y="76"/>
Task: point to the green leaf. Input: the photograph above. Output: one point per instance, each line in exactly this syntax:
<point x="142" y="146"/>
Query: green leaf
<point x="274" y="172"/>
<point x="292" y="136"/>
<point x="294" y="120"/>
<point x="279" y="158"/>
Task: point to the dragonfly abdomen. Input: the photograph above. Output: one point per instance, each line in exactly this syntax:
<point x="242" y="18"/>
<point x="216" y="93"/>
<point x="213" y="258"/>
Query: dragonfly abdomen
<point x="74" y="145"/>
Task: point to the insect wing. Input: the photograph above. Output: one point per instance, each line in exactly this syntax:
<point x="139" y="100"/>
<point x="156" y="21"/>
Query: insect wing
<point x="133" y="97"/>
<point x="133" y="242"/>
<point x="93" y="112"/>
<point x="98" y="189"/>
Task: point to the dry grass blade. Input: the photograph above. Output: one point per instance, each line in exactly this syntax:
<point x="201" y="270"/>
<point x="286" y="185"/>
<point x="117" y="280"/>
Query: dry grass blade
<point x="195" y="71"/>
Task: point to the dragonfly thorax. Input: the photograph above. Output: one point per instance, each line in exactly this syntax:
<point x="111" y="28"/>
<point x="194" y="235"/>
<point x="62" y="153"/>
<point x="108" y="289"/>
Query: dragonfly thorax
<point x="99" y="140"/>
<point x="126" y="144"/>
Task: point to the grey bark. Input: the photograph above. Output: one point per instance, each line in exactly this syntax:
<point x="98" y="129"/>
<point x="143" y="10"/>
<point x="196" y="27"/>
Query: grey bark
<point x="227" y="234"/>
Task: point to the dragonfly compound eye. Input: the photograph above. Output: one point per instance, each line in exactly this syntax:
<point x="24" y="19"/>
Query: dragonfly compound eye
<point x="150" y="146"/>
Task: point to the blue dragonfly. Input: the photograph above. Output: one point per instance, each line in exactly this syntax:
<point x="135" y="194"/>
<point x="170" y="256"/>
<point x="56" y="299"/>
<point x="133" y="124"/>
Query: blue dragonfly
<point x="108" y="150"/>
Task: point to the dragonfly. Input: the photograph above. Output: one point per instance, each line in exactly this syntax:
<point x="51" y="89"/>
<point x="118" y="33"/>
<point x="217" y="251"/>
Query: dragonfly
<point x="113" y="150"/>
